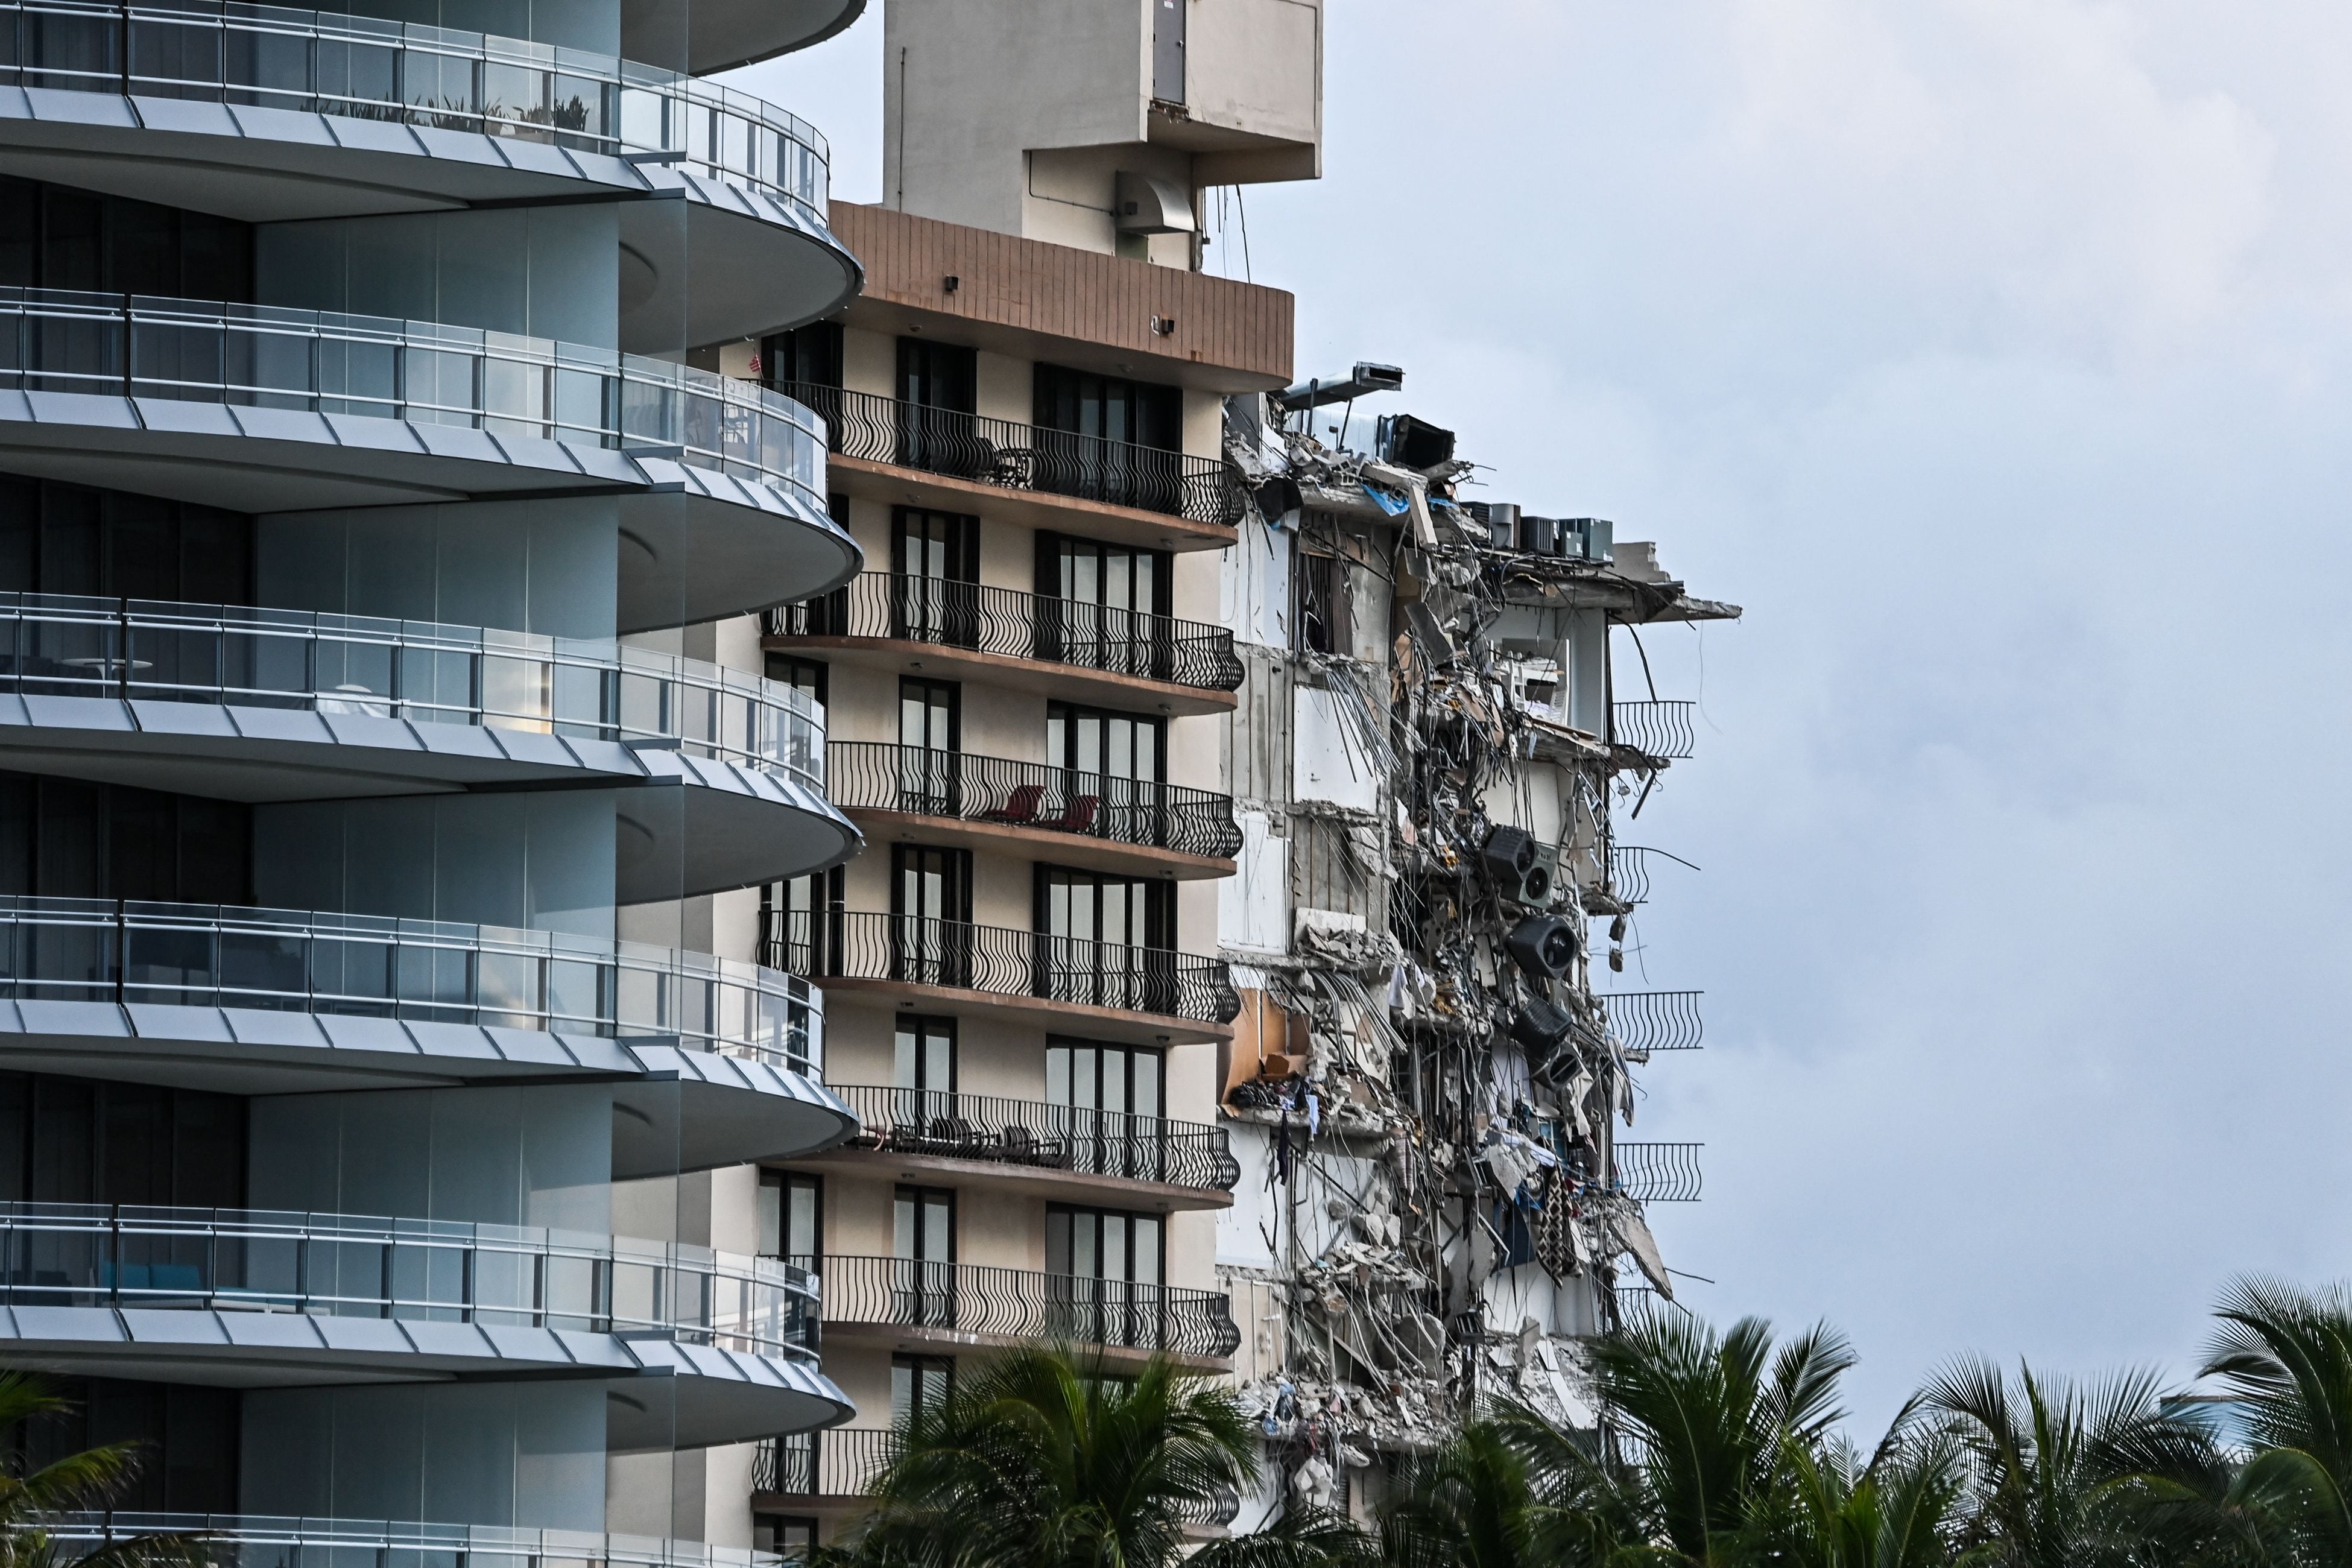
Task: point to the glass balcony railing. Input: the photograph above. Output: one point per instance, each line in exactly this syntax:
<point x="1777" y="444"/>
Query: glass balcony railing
<point x="259" y="1540"/>
<point x="350" y="1266"/>
<point x="54" y="645"/>
<point x="358" y="68"/>
<point x="94" y="949"/>
<point x="324" y="361"/>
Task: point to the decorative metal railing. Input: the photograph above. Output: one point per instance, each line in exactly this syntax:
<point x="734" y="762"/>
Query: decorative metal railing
<point x="1646" y="1021"/>
<point x="352" y="1266"/>
<point x="843" y="1461"/>
<point x="55" y="645"/>
<point x="1629" y="870"/>
<point x="908" y="950"/>
<point x="258" y="1540"/>
<point x="358" y="68"/>
<point x="1661" y="730"/>
<point x="323" y="361"/>
<point x="1068" y="1138"/>
<point x="1657" y="1172"/>
<point x="1023" y="456"/>
<point x="923" y="782"/>
<point x="97" y="950"/>
<point x="1016" y="1303"/>
<point x="1219" y="1510"/>
<point x="1017" y="625"/>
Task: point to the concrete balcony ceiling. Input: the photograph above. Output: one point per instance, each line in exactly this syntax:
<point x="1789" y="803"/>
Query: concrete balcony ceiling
<point x="717" y="483"/>
<point x="233" y="1306"/>
<point x="720" y="34"/>
<point x="742" y="214"/>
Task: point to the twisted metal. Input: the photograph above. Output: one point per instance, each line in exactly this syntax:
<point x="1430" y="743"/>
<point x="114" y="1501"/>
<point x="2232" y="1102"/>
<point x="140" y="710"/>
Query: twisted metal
<point x="923" y="782"/>
<point x="256" y="1261"/>
<point x="1656" y="1173"/>
<point x="1068" y="1138"/>
<point x="898" y="608"/>
<point x="1022" y="457"/>
<point x="910" y="950"/>
<point x="1660" y="730"/>
<point x="1017" y="1303"/>
<point x="1646" y="1021"/>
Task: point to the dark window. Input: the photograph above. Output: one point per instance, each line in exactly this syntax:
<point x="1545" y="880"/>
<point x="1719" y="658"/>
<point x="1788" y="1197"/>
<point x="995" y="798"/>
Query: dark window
<point x="787" y="1535"/>
<point x="936" y="375"/>
<point x="940" y="545"/>
<point x="923" y="1224"/>
<point x="808" y="676"/>
<point x="188" y="1438"/>
<point x="1102" y="742"/>
<point x="1082" y="403"/>
<point x="926" y="1055"/>
<point x="53" y="237"/>
<point x="930" y="884"/>
<point x="791" y="1217"/>
<point x="930" y="713"/>
<point x="1096" y="906"/>
<point x="65" y="839"/>
<point x="69" y="539"/>
<point x="1091" y="1077"/>
<point x="806" y="356"/>
<point x="1320" y="618"/>
<point x="801" y="924"/>
<point x="1082" y="572"/>
<point x="83" y="1140"/>
<point x="1102" y="1244"/>
<point x="918" y="1383"/>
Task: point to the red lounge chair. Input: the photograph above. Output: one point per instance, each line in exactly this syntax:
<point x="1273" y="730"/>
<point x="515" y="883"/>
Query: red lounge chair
<point x="1020" y="807"/>
<point x="1077" y="819"/>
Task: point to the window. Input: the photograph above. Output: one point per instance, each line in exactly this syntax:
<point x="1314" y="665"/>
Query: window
<point x="805" y="676"/>
<point x="930" y="899"/>
<point x="934" y="425"/>
<point x="791" y="1217"/>
<point x="804" y="358"/>
<point x="54" y="237"/>
<point x="69" y="538"/>
<point x="64" y="838"/>
<point x="801" y="925"/>
<point x="1098" y="907"/>
<point x="786" y="1534"/>
<point x="86" y="1141"/>
<point x="1103" y="742"/>
<point x="927" y="1055"/>
<point x="1320" y="620"/>
<point x="1116" y="1078"/>
<point x="189" y="1435"/>
<point x="1081" y="403"/>
<point x="1109" y="1245"/>
<point x="918" y="1383"/>
<point x="933" y="374"/>
<point x="923" y="1244"/>
<point x="1104" y="576"/>
<point x="935" y="574"/>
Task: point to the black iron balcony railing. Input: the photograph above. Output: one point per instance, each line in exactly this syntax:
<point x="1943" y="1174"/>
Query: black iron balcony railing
<point x="1068" y="1138"/>
<point x="1018" y="625"/>
<point x="910" y="950"/>
<point x="924" y="782"/>
<point x="1657" y="1172"/>
<point x="1023" y="456"/>
<point x="1629" y="871"/>
<point x="1646" y="1021"/>
<point x="1661" y="730"/>
<point x="412" y="73"/>
<point x="1017" y="1303"/>
<point x="377" y="966"/>
<point x="846" y="1461"/>
<point x="259" y="1540"/>
<point x="325" y="1264"/>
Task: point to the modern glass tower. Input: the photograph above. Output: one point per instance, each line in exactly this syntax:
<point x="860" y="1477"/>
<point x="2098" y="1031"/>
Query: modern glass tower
<point x="376" y="797"/>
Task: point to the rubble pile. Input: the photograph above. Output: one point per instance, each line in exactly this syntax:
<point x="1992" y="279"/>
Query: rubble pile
<point x="1428" y="1090"/>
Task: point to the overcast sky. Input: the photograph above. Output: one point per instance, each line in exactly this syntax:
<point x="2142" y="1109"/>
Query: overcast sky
<point x="1994" y="355"/>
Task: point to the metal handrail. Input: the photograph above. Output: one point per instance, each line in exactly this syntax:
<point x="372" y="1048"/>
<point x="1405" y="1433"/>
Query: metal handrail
<point x="899" y="608"/>
<point x="1656" y="1173"/>
<point x="910" y="950"/>
<point x="1019" y="1303"/>
<point x="925" y="782"/>
<point x="1661" y="730"/>
<point x="263" y="1541"/>
<point x="1013" y="455"/>
<point x="329" y="363"/>
<point x="1068" y="1138"/>
<point x="339" y="666"/>
<point x="98" y="950"/>
<point x="843" y="1461"/>
<point x="1646" y="1021"/>
<point x="358" y="68"/>
<point x="262" y="1260"/>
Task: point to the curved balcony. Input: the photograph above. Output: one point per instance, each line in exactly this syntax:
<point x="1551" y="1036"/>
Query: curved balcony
<point x="1656" y="732"/>
<point x="1145" y="994"/>
<point x="1039" y="1149"/>
<point x="260" y="1541"/>
<point x="255" y="1297"/>
<point x="899" y="1301"/>
<point x="1119" y="491"/>
<point x="1086" y="653"/>
<point x="838" y="1468"/>
<point x="1646" y="1021"/>
<point x="731" y="32"/>
<point x="1097" y="820"/>
<point x="719" y="483"/>
<point x="1656" y="1173"/>
<point x="285" y="113"/>
<point x="274" y="1001"/>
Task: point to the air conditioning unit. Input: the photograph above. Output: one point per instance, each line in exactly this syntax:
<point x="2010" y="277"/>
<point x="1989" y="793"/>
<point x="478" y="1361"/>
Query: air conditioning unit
<point x="1539" y="535"/>
<point x="1595" y="538"/>
<point x="1545" y="945"/>
<point x="1411" y="443"/>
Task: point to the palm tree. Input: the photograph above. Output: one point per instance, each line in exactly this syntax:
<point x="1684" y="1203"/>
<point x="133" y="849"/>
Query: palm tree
<point x="2075" y="1475"/>
<point x="31" y="1499"/>
<point x="2284" y="1355"/>
<point x="1043" y="1461"/>
<point x="1897" y="1508"/>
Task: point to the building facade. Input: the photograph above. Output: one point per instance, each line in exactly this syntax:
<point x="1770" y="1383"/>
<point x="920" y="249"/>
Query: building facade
<point x="387" y="769"/>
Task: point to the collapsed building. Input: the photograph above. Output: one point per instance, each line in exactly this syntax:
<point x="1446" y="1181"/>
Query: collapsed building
<point x="1430" y="1088"/>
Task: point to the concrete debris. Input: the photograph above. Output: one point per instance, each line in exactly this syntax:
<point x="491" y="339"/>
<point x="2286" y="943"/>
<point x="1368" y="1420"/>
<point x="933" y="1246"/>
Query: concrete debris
<point x="1427" y="1085"/>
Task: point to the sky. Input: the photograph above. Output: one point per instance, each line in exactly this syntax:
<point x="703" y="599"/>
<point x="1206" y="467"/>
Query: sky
<point x="1996" y="356"/>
